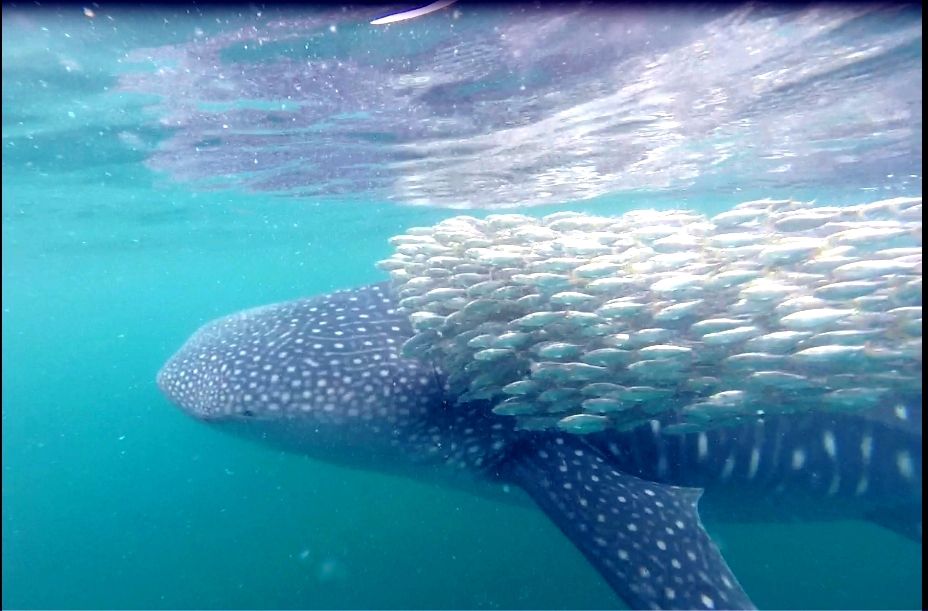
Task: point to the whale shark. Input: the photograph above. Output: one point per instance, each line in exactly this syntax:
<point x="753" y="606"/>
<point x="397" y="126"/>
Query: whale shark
<point x="325" y="376"/>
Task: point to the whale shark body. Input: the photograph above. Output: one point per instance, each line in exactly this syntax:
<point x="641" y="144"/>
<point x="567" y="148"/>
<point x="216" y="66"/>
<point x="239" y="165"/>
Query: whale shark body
<point x="325" y="376"/>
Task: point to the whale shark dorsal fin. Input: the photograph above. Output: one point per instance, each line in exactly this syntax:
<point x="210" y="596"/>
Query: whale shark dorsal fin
<point x="645" y="538"/>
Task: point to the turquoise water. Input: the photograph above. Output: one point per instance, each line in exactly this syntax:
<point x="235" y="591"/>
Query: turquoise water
<point x="112" y="498"/>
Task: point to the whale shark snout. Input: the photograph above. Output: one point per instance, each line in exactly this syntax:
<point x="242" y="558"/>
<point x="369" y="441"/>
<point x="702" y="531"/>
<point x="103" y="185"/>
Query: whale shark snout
<point x="330" y="361"/>
<point x="195" y="393"/>
<point x="322" y="376"/>
<point x="225" y="368"/>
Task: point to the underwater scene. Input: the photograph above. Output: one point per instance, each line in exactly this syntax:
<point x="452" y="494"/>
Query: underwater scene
<point x="462" y="305"/>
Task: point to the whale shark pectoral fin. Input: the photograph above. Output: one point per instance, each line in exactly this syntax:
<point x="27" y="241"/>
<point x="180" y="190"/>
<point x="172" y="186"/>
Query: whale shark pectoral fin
<point x="645" y="538"/>
<point x="904" y="520"/>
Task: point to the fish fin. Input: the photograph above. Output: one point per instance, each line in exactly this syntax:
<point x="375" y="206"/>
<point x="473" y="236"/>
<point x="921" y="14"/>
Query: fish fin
<point x="904" y="520"/>
<point x="646" y="539"/>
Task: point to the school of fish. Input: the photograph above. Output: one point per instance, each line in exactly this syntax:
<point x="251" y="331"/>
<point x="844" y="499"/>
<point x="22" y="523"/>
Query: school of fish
<point x="583" y="323"/>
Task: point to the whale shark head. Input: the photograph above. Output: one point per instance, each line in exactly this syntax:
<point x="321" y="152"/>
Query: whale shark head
<point x="320" y="373"/>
